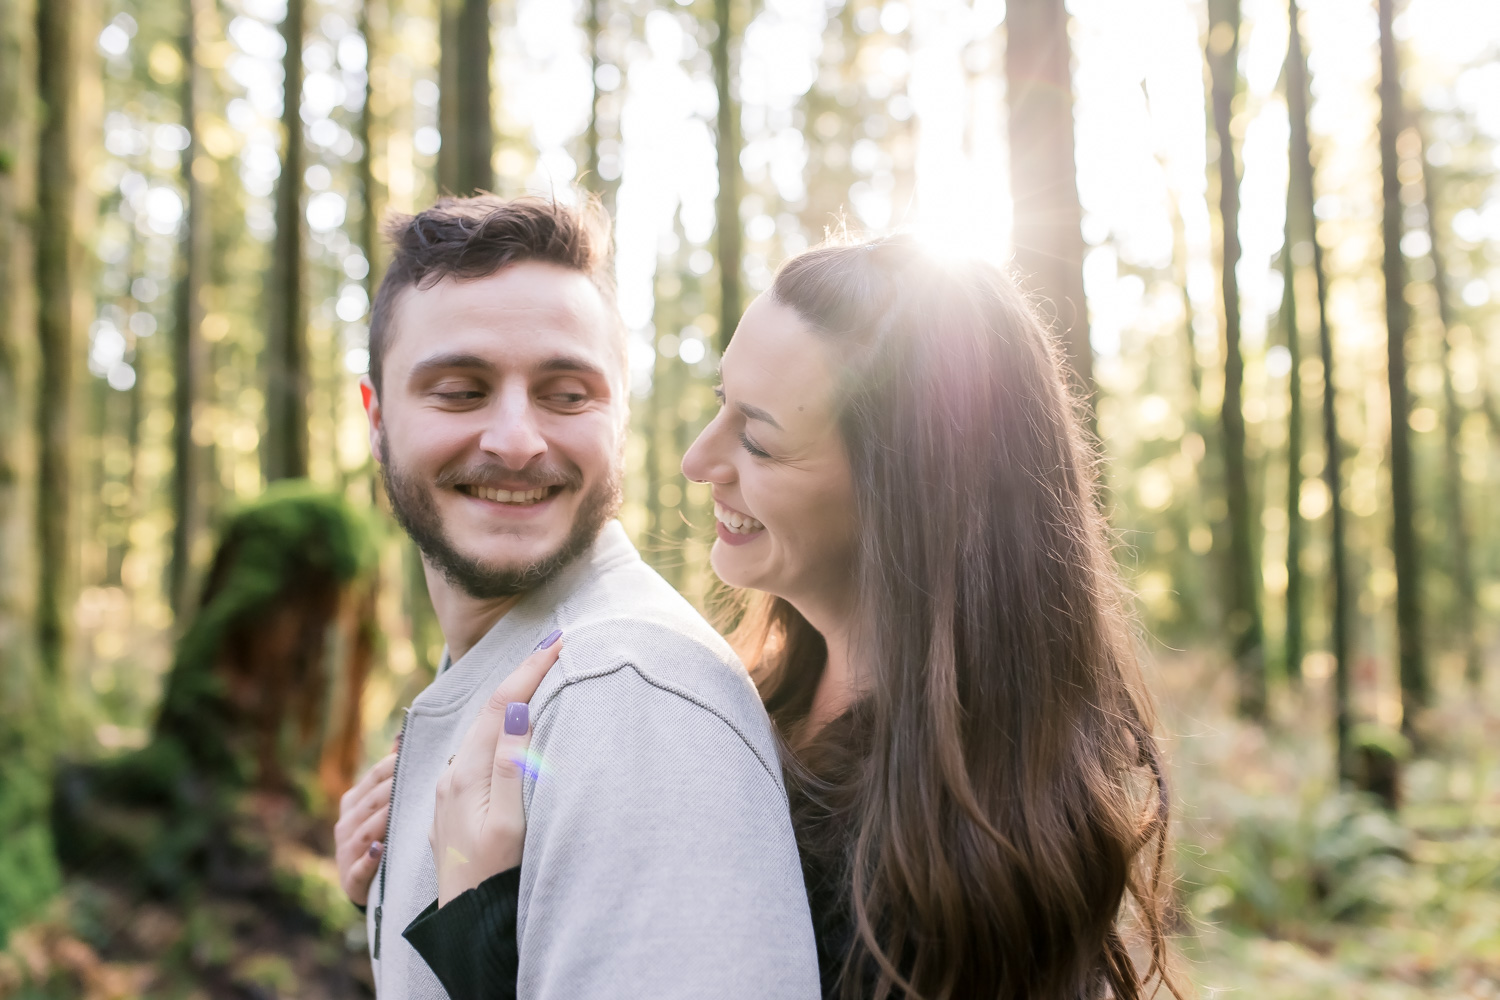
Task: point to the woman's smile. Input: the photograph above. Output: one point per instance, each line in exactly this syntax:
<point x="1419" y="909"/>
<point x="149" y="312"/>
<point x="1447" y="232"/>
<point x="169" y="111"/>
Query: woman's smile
<point x="735" y="527"/>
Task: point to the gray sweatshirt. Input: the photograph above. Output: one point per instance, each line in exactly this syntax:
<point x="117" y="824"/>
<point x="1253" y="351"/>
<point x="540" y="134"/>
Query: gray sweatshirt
<point x="659" y="858"/>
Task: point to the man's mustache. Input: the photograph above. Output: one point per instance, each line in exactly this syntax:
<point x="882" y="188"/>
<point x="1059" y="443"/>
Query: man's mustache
<point x="496" y="475"/>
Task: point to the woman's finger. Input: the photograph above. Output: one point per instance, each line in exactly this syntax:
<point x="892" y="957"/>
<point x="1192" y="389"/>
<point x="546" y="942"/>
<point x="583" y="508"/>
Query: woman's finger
<point x="374" y="776"/>
<point x="373" y="828"/>
<point x="527" y="677"/>
<point x="511" y="761"/>
<point x="357" y="880"/>
<point x="473" y="761"/>
<point x="375" y="798"/>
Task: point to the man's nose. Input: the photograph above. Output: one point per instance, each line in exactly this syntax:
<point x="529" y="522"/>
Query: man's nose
<point x="513" y="434"/>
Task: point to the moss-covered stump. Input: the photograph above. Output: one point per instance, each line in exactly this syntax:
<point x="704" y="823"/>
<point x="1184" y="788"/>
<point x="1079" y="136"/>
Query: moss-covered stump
<point x="263" y="697"/>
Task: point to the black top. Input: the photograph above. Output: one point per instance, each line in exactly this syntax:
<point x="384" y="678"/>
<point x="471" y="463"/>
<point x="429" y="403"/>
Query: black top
<point x="471" y="943"/>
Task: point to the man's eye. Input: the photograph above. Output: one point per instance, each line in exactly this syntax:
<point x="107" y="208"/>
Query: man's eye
<point x="460" y="395"/>
<point x="751" y="447"/>
<point x="568" y="398"/>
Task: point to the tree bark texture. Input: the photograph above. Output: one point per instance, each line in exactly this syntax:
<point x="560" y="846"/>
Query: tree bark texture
<point x="1303" y="186"/>
<point x="603" y="119"/>
<point x="1048" y="227"/>
<point x="287" y="383"/>
<point x="727" y="204"/>
<point x="1413" y="668"/>
<point x="1453" y="418"/>
<point x="1246" y="639"/>
<point x="1293" y="642"/>
<point x="59" y="282"/>
<point x="17" y="350"/>
<point x="372" y="22"/>
<point x="465" y="158"/>
<point x="188" y="360"/>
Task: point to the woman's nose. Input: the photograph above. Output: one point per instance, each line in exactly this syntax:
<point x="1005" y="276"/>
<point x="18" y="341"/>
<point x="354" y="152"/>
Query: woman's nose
<point x="704" y="461"/>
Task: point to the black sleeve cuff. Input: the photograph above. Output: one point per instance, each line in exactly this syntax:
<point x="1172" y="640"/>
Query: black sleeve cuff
<point x="470" y="944"/>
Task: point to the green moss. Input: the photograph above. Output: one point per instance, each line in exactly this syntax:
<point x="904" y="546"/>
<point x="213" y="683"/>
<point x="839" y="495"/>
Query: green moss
<point x="157" y="812"/>
<point x="28" y="867"/>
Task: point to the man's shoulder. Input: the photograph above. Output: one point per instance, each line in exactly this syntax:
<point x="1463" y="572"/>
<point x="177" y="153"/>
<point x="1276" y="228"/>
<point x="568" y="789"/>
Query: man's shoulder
<point x="634" y="623"/>
<point x="631" y="611"/>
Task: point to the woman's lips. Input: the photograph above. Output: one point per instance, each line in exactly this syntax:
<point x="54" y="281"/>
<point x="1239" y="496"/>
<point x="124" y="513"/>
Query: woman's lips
<point x="736" y="527"/>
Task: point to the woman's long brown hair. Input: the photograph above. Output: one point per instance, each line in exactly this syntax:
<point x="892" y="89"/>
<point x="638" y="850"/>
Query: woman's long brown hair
<point x="995" y="800"/>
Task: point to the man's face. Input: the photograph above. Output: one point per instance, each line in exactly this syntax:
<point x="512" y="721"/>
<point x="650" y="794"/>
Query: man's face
<point x="500" y="423"/>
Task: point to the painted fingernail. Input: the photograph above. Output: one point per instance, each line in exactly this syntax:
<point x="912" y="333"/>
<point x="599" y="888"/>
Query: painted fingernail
<point x="556" y="635"/>
<point x="517" y="718"/>
<point x="375" y="848"/>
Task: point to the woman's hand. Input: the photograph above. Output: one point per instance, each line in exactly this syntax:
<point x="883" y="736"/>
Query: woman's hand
<point x="356" y="836"/>
<point x="479" y="826"/>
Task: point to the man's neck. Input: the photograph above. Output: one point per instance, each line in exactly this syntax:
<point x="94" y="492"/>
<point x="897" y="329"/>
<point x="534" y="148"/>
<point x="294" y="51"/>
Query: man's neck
<point x="464" y="619"/>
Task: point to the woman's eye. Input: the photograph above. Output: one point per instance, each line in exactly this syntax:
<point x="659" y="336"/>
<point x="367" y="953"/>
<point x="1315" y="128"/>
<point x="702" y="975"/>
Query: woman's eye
<point x="751" y="448"/>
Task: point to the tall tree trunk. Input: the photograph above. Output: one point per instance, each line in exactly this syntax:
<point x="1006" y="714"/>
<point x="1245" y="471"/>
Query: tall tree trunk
<point x="1246" y="636"/>
<point x="59" y="280"/>
<point x="187" y="346"/>
<point x="599" y="122"/>
<point x="18" y="316"/>
<point x="1048" y="228"/>
<point x="372" y="20"/>
<point x="467" y="124"/>
<point x="286" y="446"/>
<point x="727" y="204"/>
<point x="1414" y="682"/>
<point x="1453" y="480"/>
<point x="1293" y="640"/>
<point x="1302" y="181"/>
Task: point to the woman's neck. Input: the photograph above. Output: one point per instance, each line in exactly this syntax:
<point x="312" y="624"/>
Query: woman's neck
<point x="840" y="683"/>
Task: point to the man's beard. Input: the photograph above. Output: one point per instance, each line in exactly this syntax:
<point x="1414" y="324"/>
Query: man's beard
<point x="412" y="504"/>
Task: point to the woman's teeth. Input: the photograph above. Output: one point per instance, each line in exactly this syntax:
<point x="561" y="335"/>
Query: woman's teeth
<point x="739" y="524"/>
<point x="509" y="496"/>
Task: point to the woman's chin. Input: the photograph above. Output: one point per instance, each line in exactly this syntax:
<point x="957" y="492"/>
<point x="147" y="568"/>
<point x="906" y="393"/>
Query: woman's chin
<point x="728" y="567"/>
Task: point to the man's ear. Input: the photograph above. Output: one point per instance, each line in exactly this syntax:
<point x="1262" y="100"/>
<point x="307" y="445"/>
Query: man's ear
<point x="371" y="400"/>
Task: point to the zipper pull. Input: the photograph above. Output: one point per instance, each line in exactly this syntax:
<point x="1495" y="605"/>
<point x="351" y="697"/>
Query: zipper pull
<point x="375" y="952"/>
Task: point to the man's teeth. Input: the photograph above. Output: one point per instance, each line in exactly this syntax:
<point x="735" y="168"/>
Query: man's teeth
<point x="739" y="524"/>
<point x="510" y="496"/>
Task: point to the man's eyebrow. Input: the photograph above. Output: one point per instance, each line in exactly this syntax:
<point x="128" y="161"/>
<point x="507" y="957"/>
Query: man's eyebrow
<point x="441" y="362"/>
<point x="473" y="362"/>
<point x="569" y="363"/>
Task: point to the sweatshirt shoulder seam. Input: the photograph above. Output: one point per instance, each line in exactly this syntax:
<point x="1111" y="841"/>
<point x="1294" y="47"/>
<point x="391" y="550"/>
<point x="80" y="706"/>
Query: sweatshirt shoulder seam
<point x="670" y="688"/>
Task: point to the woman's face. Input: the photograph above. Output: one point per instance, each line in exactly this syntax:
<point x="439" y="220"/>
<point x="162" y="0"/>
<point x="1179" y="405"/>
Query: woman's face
<point x="782" y="488"/>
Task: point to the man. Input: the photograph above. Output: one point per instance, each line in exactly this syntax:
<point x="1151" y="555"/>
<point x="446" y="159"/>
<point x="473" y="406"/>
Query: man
<point x="659" y="856"/>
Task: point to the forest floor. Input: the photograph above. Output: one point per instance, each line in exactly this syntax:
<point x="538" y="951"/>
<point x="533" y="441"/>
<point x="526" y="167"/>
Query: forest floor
<point x="1293" y="892"/>
<point x="1290" y="891"/>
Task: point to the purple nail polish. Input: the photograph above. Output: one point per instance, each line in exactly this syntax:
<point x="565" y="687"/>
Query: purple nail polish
<point x="517" y="718"/>
<point x="555" y="635"/>
<point x="375" y="848"/>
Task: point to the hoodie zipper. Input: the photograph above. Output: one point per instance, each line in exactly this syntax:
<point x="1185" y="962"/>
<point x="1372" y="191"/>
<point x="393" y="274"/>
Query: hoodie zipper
<point x="390" y="815"/>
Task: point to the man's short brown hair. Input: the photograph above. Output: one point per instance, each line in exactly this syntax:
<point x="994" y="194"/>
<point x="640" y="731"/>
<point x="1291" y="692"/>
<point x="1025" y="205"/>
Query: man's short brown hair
<point x="469" y="238"/>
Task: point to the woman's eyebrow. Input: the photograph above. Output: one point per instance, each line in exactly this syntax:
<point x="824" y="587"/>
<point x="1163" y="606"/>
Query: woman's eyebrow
<point x="756" y="413"/>
<point x="748" y="411"/>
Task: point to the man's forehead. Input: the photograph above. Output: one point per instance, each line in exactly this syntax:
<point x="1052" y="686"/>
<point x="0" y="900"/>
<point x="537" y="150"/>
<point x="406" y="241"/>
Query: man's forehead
<point x="526" y="312"/>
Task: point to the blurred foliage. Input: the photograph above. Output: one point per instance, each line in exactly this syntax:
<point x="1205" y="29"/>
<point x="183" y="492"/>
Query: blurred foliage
<point x="881" y="113"/>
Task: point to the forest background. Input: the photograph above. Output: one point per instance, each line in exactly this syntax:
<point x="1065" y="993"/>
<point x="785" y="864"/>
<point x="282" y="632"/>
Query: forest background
<point x="1269" y="241"/>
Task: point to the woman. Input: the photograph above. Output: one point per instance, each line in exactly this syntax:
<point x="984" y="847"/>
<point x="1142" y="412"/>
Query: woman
<point x="899" y="470"/>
